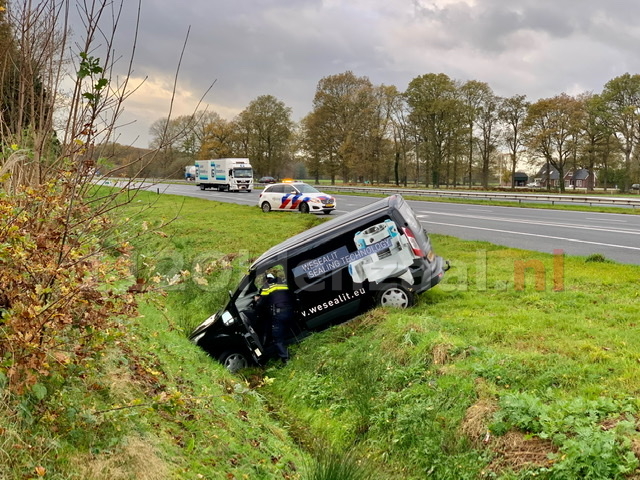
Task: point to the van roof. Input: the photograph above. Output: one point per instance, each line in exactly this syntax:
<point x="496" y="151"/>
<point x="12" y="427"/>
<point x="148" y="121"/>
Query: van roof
<point x="311" y="238"/>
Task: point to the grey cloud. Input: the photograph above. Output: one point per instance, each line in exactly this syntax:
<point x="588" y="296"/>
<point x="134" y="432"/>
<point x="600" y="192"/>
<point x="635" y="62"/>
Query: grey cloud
<point x="284" y="47"/>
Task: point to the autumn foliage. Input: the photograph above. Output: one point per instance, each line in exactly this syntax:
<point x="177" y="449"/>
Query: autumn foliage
<point x="63" y="278"/>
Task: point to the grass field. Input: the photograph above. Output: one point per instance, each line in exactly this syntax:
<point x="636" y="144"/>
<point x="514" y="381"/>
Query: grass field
<point x="519" y="365"/>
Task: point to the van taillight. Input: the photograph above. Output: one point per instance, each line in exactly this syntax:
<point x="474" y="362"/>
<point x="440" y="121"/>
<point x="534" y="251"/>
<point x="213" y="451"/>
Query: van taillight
<point x="413" y="242"/>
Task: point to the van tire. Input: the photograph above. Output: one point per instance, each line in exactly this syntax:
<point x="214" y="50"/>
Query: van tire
<point x="304" y="207"/>
<point x="394" y="295"/>
<point x="234" y="361"/>
<point x="266" y="207"/>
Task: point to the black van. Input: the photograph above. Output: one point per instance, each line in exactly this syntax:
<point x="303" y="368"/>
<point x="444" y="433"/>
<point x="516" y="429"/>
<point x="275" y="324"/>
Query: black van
<point x="378" y="255"/>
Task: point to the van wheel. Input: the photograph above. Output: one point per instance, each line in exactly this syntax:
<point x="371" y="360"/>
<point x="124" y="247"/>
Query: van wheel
<point x="266" y="207"/>
<point x="234" y="361"/>
<point x="328" y="212"/>
<point x="394" y="295"/>
<point x="304" y="207"/>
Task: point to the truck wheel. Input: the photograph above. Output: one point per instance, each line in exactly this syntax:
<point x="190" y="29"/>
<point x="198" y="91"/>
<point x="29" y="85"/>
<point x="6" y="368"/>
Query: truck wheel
<point x="304" y="207"/>
<point x="266" y="207"/>
<point x="234" y="361"/>
<point x="394" y="295"/>
<point x="201" y="186"/>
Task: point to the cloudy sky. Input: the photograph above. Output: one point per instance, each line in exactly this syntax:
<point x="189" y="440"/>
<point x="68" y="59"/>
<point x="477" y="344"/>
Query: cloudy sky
<point x="248" y="48"/>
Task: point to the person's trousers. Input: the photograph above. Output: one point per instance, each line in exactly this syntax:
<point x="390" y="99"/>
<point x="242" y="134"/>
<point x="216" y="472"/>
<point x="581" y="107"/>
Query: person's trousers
<point x="278" y="330"/>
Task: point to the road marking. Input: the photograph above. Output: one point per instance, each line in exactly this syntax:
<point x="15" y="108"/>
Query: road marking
<point x="574" y="240"/>
<point x="606" y="219"/>
<point x="633" y="231"/>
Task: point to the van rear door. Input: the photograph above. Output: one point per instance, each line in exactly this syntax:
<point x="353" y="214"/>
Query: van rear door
<point x="414" y="231"/>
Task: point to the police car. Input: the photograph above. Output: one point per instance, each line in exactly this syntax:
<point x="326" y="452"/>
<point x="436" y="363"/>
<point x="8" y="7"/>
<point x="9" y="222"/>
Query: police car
<point x="295" y="196"/>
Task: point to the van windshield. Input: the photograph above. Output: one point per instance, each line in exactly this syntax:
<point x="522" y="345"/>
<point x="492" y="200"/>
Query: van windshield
<point x="245" y="292"/>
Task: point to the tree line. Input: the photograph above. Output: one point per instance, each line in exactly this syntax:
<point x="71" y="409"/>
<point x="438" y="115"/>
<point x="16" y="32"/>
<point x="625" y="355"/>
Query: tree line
<point x="438" y="132"/>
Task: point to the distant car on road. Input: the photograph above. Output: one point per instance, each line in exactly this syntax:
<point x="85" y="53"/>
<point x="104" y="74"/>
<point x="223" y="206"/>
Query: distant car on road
<point x="267" y="180"/>
<point x="295" y="196"/>
<point x="635" y="186"/>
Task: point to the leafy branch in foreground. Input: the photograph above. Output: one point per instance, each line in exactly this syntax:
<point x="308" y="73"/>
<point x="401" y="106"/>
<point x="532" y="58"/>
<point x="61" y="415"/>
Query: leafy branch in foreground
<point x="59" y="298"/>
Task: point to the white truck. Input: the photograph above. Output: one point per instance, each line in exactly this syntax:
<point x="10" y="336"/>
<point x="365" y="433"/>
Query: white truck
<point x="230" y="174"/>
<point x="190" y="173"/>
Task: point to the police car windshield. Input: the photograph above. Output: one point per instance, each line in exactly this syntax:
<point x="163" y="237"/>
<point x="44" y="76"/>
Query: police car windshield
<point x="304" y="188"/>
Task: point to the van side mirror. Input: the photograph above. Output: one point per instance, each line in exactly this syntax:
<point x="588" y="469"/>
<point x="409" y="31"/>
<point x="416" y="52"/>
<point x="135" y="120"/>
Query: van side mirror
<point x="227" y="318"/>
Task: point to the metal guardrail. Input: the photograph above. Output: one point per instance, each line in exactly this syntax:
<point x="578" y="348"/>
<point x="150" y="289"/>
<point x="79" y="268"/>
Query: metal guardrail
<point x="495" y="196"/>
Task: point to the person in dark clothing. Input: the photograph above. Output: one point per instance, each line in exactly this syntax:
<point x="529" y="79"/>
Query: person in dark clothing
<point x="277" y="301"/>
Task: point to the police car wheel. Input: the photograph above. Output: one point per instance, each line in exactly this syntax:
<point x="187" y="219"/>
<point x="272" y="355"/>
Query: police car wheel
<point x="234" y="361"/>
<point x="304" y="207"/>
<point x="266" y="207"/>
<point x="394" y="295"/>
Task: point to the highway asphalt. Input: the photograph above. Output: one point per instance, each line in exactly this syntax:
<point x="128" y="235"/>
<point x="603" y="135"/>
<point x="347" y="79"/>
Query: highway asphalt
<point x="615" y="236"/>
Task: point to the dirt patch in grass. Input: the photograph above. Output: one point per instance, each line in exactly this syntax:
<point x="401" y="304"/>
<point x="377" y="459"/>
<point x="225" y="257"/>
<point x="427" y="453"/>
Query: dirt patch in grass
<point x="476" y="421"/>
<point x="440" y="354"/>
<point x="370" y="319"/>
<point x="513" y="451"/>
<point x="137" y="459"/>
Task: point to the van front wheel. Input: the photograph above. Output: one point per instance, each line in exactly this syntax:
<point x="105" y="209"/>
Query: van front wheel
<point x="394" y="295"/>
<point x="234" y="361"/>
<point x="304" y="207"/>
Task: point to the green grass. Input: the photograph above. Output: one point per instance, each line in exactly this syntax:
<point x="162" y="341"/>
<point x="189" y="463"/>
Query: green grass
<point x="490" y="375"/>
<point x="555" y="365"/>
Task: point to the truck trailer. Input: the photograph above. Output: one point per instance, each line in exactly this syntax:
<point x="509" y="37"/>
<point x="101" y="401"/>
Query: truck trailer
<point x="230" y="174"/>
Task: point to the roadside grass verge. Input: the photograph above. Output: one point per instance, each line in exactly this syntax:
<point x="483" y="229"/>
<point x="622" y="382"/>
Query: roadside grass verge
<point x="519" y="365"/>
<point x="485" y="377"/>
<point x="154" y="406"/>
